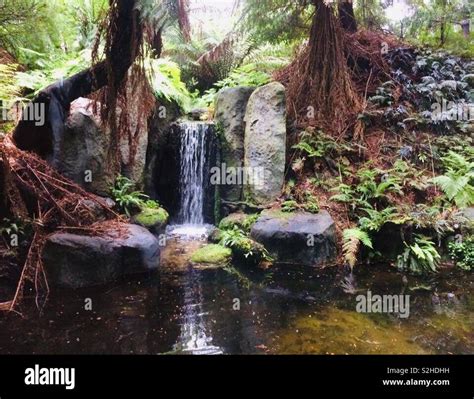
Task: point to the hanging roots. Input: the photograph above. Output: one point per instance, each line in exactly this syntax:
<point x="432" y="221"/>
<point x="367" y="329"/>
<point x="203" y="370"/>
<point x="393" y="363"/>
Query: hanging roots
<point x="32" y="187"/>
<point x="124" y="34"/>
<point x="319" y="85"/>
<point x="332" y="75"/>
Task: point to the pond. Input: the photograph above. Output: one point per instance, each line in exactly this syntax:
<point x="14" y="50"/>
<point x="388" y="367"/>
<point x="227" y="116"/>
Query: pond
<point x="186" y="309"/>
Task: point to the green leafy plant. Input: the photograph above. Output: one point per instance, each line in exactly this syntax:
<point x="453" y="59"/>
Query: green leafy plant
<point x="383" y="95"/>
<point x="289" y="206"/>
<point x="8" y="88"/>
<point x="462" y="253"/>
<point x="165" y="79"/>
<point x="318" y="146"/>
<point x="370" y="185"/>
<point x="419" y="257"/>
<point x="237" y="240"/>
<point x="432" y="217"/>
<point x="126" y="197"/>
<point x="353" y="238"/>
<point x="247" y="75"/>
<point x="249" y="221"/>
<point x="372" y="189"/>
<point x="375" y="219"/>
<point x="458" y="181"/>
<point x="311" y="203"/>
<point x="9" y="91"/>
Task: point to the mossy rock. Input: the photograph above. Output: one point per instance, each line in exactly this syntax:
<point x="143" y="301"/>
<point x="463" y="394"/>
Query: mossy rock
<point x="153" y="219"/>
<point x="239" y="220"/>
<point x="215" y="237"/>
<point x="212" y="254"/>
<point x="279" y="213"/>
<point x="250" y="252"/>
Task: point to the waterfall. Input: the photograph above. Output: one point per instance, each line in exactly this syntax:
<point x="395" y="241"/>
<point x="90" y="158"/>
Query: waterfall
<point x="192" y="172"/>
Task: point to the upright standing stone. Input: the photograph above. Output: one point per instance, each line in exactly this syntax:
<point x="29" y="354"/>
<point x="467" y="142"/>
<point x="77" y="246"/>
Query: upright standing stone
<point x="231" y="105"/>
<point x="265" y="142"/>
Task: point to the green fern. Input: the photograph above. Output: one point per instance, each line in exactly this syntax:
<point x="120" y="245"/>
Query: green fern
<point x="165" y="79"/>
<point x="419" y="257"/>
<point x="8" y="88"/>
<point x="458" y="181"/>
<point x="353" y="238"/>
<point x="126" y="198"/>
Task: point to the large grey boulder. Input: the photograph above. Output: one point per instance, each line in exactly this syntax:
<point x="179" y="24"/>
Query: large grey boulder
<point x="83" y="155"/>
<point x="85" y="143"/>
<point x="297" y="238"/>
<point x="231" y="105"/>
<point x="77" y="261"/>
<point x="265" y="142"/>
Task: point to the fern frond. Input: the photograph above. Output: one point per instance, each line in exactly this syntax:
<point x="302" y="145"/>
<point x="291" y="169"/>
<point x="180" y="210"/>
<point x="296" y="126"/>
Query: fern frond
<point x="352" y="241"/>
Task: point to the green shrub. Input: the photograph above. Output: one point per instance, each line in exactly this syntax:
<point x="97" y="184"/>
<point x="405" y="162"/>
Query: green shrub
<point x="165" y="80"/>
<point x="462" y="253"/>
<point x="289" y="206"/>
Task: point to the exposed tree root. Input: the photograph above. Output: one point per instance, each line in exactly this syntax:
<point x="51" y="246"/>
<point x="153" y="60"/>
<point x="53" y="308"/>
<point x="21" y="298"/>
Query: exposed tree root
<point x="34" y="189"/>
<point x="330" y="79"/>
<point x="319" y="85"/>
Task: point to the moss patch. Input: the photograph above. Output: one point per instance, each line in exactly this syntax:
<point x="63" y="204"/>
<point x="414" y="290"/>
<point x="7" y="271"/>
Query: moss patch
<point x="278" y="214"/>
<point x="212" y="253"/>
<point x="152" y="217"/>
<point x="239" y="220"/>
<point x="337" y="331"/>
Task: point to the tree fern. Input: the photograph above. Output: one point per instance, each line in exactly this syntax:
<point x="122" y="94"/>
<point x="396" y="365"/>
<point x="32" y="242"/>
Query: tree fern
<point x="353" y="238"/>
<point x="165" y="79"/>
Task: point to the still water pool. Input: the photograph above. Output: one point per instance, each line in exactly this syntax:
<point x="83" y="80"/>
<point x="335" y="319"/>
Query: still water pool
<point x="185" y="309"/>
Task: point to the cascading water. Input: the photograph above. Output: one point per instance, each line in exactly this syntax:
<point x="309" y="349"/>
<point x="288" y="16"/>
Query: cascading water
<point x="193" y="161"/>
<point x="195" y="158"/>
<point x="195" y="154"/>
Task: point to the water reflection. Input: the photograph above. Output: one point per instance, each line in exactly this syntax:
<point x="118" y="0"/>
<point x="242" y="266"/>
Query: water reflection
<point x="189" y="309"/>
<point x="196" y="335"/>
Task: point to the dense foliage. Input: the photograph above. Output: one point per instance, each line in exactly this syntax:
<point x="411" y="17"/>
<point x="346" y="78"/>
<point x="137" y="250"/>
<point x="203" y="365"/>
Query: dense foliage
<point x="406" y="158"/>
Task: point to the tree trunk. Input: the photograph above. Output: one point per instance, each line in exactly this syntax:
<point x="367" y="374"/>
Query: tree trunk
<point x="125" y="30"/>
<point x="466" y="28"/>
<point x="346" y="16"/>
<point x="442" y="36"/>
<point x="320" y="89"/>
<point x="183" y="20"/>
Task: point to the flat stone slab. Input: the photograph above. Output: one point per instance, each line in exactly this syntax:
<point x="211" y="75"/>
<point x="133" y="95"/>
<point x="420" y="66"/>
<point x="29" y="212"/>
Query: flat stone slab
<point x="297" y="238"/>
